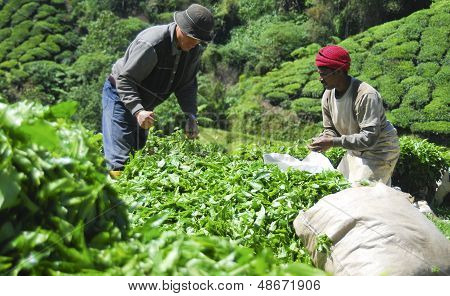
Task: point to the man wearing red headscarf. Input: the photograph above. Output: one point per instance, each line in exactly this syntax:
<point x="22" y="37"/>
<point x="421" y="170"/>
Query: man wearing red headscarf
<point x="354" y="118"/>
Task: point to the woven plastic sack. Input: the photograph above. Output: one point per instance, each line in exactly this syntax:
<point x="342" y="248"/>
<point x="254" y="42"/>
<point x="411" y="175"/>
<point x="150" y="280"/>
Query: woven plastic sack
<point x="374" y="231"/>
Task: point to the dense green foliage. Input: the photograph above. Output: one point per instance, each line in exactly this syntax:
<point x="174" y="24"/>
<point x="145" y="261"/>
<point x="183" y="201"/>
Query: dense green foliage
<point x="420" y="166"/>
<point x="406" y="60"/>
<point x="206" y="192"/>
<point x="54" y="198"/>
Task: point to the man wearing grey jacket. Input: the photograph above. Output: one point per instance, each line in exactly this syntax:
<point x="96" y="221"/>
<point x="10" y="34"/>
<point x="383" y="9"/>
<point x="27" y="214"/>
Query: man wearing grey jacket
<point x="161" y="60"/>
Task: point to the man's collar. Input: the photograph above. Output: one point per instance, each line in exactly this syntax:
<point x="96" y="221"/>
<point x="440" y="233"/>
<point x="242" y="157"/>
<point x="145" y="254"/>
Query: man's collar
<point x="173" y="38"/>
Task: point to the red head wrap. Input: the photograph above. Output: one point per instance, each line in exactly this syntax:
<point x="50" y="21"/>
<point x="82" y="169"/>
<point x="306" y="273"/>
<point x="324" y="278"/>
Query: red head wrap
<point x="333" y="57"/>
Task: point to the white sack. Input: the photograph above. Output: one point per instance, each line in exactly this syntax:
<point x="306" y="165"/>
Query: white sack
<point x="375" y="231"/>
<point x="314" y="162"/>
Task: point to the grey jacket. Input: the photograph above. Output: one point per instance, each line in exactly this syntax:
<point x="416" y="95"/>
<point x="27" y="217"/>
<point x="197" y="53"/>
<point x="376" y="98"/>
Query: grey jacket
<point x="153" y="68"/>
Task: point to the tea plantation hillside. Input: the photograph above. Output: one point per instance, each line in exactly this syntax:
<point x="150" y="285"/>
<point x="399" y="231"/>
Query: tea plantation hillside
<point x="55" y="50"/>
<point x="407" y="60"/>
<point x="30" y="32"/>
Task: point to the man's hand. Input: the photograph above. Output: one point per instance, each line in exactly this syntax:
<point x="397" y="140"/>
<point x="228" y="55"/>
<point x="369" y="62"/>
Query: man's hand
<point x="145" y="119"/>
<point x="191" y="128"/>
<point x="321" y="144"/>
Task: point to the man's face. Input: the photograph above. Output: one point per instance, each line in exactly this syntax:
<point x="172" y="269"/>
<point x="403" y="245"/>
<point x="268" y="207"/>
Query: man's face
<point x="185" y="42"/>
<point x="329" y="77"/>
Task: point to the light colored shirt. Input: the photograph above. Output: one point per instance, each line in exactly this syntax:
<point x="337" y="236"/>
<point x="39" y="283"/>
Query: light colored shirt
<point x="357" y="120"/>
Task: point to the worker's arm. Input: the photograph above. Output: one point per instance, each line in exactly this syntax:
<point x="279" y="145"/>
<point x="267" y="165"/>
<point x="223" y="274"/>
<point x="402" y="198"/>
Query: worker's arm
<point x="368" y="112"/>
<point x="140" y="63"/>
<point x="187" y="93"/>
<point x="329" y="129"/>
<point x="326" y="139"/>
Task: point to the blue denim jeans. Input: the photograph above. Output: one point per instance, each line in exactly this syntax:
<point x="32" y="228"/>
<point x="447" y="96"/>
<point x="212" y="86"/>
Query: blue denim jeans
<point x="122" y="134"/>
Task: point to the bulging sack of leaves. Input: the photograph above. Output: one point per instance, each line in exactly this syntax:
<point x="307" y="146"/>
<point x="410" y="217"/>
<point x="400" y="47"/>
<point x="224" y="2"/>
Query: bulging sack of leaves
<point x="372" y="231"/>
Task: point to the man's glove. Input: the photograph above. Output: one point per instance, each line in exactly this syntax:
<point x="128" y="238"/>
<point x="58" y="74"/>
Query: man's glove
<point x="191" y="128"/>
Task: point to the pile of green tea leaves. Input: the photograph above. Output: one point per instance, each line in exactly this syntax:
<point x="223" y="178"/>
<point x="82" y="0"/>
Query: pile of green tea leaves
<point x="202" y="191"/>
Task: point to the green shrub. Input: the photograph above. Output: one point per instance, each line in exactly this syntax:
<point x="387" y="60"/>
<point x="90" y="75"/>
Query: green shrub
<point x="292" y="89"/>
<point x="306" y="52"/>
<point x="307" y="105"/>
<point x="26" y="58"/>
<point x="412" y="81"/>
<point x="45" y="11"/>
<point x="438" y="109"/>
<point x="441" y="91"/>
<point x="399" y="69"/>
<point x="276" y="97"/>
<point x="66" y="57"/>
<point x="381" y="32"/>
<point x="50" y="47"/>
<point x="44" y="27"/>
<point x="89" y="97"/>
<point x="4" y="33"/>
<point x="389" y="42"/>
<point x="58" y="39"/>
<point x="405" y="116"/>
<point x="39" y="53"/>
<point x="352" y="46"/>
<point x="24" y="13"/>
<point x="427" y="70"/>
<point x="335" y="155"/>
<point x="18" y="76"/>
<point x="434" y="44"/>
<point x="47" y="76"/>
<point x="442" y="77"/>
<point x="58" y="2"/>
<point x="440" y="19"/>
<point x="5" y="48"/>
<point x="431" y="128"/>
<point x="313" y="89"/>
<point x="372" y="67"/>
<point x="413" y="26"/>
<point x="22" y="49"/>
<point x="21" y="32"/>
<point x="367" y="41"/>
<point x="8" y="65"/>
<point x="91" y="66"/>
<point x="417" y="97"/>
<point x="358" y="60"/>
<point x="391" y="91"/>
<point x="7" y="11"/>
<point x="278" y="41"/>
<point x="404" y="51"/>
<point x="419" y="167"/>
<point x="110" y="34"/>
<point x="254" y="9"/>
